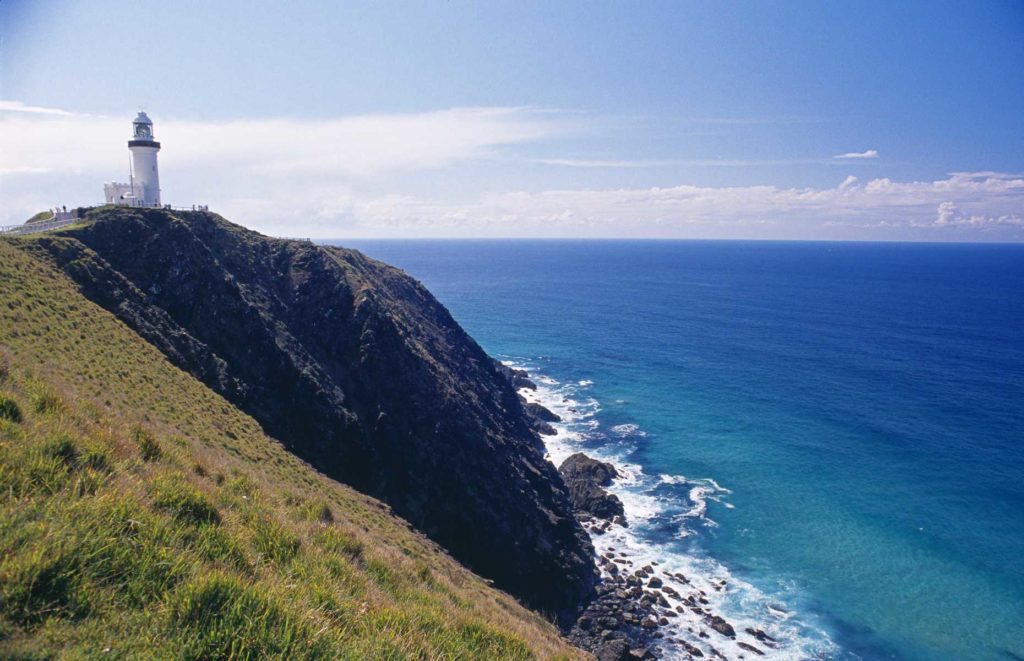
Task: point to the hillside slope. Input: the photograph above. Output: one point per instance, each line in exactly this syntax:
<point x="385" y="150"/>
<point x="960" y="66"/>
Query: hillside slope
<point x="143" y="515"/>
<point x="357" y="369"/>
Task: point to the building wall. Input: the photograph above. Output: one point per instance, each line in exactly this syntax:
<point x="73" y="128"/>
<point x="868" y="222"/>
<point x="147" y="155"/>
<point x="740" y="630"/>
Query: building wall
<point x="145" y="174"/>
<point x="118" y="193"/>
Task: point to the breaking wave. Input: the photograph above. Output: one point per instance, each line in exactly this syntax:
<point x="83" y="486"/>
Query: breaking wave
<point x="667" y="516"/>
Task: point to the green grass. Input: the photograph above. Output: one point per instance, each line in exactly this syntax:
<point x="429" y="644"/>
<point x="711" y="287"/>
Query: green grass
<point x="273" y="541"/>
<point x="220" y="617"/>
<point x="41" y="217"/>
<point x="149" y="449"/>
<point x="337" y="541"/>
<point x="45" y="400"/>
<point x="142" y="516"/>
<point x="318" y="511"/>
<point x="9" y="409"/>
<point x="183" y="501"/>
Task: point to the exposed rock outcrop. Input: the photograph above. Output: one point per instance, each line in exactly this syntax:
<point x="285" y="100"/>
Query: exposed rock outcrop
<point x="541" y="418"/>
<point x="518" y="378"/>
<point x="614" y="650"/>
<point x="541" y="413"/>
<point x="585" y="479"/>
<point x="357" y="369"/>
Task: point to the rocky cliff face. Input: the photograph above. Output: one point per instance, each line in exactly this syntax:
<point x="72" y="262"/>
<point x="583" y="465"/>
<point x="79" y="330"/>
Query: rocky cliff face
<point x="357" y="369"/>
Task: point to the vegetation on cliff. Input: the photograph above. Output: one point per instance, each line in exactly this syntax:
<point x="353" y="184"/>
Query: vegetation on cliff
<point x="357" y="369"/>
<point x="143" y="515"/>
<point x="41" y="217"/>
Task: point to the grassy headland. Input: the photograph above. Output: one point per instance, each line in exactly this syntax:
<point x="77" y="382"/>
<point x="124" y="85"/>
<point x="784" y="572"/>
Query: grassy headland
<point x="41" y="217"/>
<point x="143" y="515"/>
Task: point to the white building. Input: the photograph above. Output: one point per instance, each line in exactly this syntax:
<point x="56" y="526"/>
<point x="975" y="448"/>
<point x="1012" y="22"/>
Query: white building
<point x="143" y="188"/>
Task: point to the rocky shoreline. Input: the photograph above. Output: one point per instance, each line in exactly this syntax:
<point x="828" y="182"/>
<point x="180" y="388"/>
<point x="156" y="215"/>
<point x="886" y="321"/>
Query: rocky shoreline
<point x="639" y="610"/>
<point x="638" y="607"/>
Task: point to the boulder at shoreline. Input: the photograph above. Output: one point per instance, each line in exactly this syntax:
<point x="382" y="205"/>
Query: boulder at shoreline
<point x="585" y="477"/>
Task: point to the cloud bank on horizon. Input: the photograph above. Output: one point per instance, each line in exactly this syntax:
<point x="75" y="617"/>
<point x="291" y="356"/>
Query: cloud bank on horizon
<point x="347" y="177"/>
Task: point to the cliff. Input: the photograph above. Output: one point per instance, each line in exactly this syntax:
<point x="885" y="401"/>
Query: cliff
<point x="145" y="517"/>
<point x="356" y="369"/>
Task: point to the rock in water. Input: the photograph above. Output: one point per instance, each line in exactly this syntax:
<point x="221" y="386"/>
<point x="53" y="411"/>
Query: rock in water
<point x="542" y="413"/>
<point x="585" y="478"/>
<point x="721" y="626"/>
<point x="541" y="418"/>
<point x="597" y="472"/>
<point x="518" y="378"/>
<point x="760" y="635"/>
<point x="614" y="650"/>
<point x="751" y="648"/>
<point x="357" y="369"/>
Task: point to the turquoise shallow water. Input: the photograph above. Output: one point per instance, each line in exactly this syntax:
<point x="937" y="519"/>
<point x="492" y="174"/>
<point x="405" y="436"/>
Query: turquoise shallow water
<point x="863" y="404"/>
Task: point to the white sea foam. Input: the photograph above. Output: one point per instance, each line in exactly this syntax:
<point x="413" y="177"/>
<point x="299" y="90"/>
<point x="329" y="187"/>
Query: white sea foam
<point x="628" y="429"/>
<point x="650" y="504"/>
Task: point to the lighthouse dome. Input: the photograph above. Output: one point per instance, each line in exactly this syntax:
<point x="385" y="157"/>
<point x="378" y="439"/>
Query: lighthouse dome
<point x="142" y="128"/>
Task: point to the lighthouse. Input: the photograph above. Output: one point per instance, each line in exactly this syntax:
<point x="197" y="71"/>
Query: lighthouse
<point x="145" y="177"/>
<point x="143" y="190"/>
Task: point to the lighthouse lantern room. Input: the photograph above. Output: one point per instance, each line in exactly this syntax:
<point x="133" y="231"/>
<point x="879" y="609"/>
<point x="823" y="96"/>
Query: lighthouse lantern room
<point x="143" y="188"/>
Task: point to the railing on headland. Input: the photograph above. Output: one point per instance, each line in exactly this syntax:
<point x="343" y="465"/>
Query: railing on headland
<point x="194" y="207"/>
<point x="65" y="218"/>
<point x="60" y="219"/>
<point x="168" y="207"/>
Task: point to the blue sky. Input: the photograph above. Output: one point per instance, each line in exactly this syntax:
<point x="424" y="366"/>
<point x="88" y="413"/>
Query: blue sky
<point x="674" y="119"/>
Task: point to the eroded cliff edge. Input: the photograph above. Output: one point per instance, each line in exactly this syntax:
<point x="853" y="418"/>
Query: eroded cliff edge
<point x="356" y="368"/>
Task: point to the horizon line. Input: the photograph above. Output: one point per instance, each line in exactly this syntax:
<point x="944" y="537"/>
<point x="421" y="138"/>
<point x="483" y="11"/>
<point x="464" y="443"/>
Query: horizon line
<point x="663" y="240"/>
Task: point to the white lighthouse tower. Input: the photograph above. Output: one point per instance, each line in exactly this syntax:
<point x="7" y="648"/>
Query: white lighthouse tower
<point x="145" y="177"/>
<point x="143" y="190"/>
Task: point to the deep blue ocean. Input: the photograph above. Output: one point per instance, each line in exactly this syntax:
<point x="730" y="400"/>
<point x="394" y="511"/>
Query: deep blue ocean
<point x="838" y="427"/>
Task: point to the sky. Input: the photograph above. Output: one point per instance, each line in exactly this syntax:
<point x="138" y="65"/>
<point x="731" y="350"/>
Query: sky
<point x="748" y="120"/>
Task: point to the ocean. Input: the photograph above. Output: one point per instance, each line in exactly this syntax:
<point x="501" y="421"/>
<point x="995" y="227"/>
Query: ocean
<point x="829" y="435"/>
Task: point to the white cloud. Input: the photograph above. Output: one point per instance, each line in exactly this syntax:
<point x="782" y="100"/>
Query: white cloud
<point x="847" y="184"/>
<point x="695" y="211"/>
<point x="948" y="214"/>
<point x="754" y="121"/>
<point x="18" y="106"/>
<point x="699" y="163"/>
<point x="599" y="163"/>
<point x="988" y="174"/>
<point x="359" y="176"/>
<point x="870" y="153"/>
<point x="23" y="169"/>
<point x="350" y="146"/>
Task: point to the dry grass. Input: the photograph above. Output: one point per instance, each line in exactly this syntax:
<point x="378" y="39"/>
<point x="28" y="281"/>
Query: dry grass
<point x="141" y="513"/>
